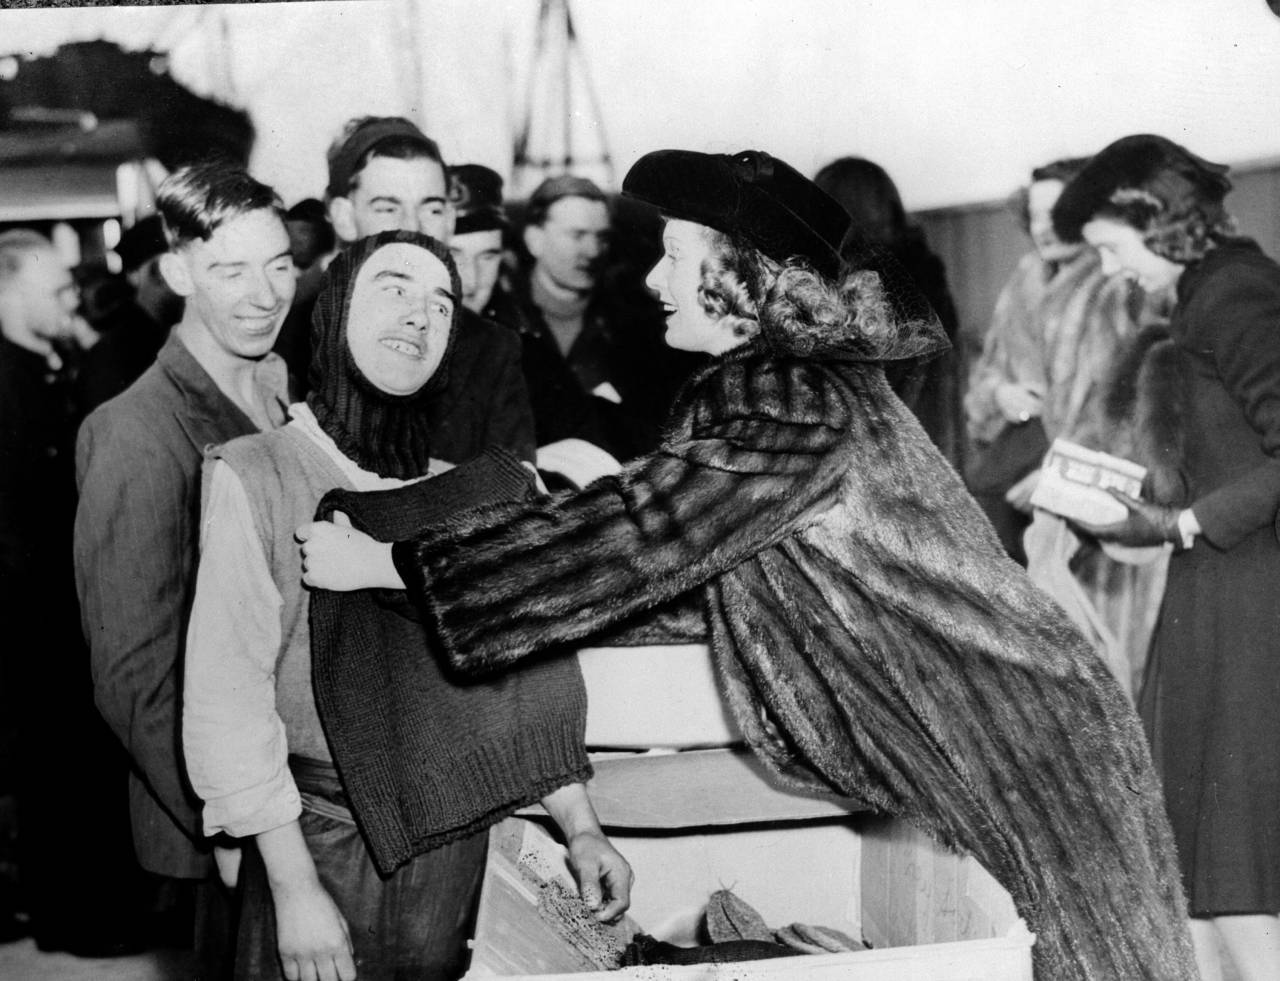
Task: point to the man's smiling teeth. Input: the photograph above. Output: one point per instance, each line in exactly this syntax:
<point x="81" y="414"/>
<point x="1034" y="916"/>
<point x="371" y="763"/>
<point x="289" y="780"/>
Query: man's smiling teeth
<point x="402" y="346"/>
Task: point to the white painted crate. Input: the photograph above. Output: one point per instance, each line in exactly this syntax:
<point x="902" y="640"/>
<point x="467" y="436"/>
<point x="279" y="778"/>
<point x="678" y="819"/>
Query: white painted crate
<point x="929" y="914"/>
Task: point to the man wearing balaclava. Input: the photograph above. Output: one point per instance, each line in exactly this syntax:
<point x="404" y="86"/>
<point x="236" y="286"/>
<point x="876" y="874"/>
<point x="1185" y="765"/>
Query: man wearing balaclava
<point x="312" y="722"/>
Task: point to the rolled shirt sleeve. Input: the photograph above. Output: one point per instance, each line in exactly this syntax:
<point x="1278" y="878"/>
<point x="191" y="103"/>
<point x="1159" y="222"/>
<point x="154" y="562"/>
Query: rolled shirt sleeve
<point x="232" y="735"/>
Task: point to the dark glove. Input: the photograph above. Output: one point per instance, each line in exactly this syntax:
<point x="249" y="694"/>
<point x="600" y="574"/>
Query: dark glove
<point x="1146" y="524"/>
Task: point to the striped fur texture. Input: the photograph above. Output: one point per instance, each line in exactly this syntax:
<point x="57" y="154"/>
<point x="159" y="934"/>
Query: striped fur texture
<point x="870" y="637"/>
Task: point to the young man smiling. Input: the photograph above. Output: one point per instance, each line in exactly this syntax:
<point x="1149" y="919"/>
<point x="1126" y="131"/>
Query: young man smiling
<point x="322" y="894"/>
<point x="138" y="464"/>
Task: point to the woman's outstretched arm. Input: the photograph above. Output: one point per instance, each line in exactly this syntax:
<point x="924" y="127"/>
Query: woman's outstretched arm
<point x="763" y="450"/>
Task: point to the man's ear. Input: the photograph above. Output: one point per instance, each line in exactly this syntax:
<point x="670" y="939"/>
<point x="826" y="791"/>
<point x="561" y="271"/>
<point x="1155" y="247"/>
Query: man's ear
<point x="11" y="313"/>
<point x="342" y="215"/>
<point x="535" y="236"/>
<point x="177" y="273"/>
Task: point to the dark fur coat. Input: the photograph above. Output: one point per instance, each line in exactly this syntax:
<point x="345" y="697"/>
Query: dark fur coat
<point x="1145" y="414"/>
<point x="870" y="637"/>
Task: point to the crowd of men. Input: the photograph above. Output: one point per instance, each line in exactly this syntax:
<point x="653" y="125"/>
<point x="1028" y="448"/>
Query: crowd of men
<point x="555" y="358"/>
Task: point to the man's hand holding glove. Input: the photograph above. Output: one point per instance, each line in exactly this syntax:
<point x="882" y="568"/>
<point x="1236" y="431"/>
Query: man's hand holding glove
<point x="1146" y="524"/>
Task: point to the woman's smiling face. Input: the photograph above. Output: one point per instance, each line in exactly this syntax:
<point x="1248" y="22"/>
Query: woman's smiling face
<point x="400" y="317"/>
<point x="686" y="246"/>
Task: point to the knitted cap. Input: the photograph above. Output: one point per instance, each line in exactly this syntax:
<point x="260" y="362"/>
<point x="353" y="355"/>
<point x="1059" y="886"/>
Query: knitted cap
<point x="475" y="192"/>
<point x="344" y="159"/>
<point x="387" y="434"/>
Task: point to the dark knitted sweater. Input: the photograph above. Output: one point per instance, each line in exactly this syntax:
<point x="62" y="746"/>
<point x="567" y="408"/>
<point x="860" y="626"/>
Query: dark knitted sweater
<point x="427" y="757"/>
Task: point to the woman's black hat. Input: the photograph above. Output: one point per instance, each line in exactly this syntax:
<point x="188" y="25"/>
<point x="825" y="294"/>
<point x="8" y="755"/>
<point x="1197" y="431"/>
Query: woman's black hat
<point x="749" y="194"/>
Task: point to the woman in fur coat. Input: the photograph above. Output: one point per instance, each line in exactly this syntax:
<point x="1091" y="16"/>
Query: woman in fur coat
<point x="1056" y="332"/>
<point x="870" y="635"/>
<point x="1155" y="213"/>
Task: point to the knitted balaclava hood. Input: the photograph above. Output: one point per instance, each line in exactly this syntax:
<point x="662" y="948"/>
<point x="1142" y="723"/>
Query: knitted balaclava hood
<point x="387" y="434"/>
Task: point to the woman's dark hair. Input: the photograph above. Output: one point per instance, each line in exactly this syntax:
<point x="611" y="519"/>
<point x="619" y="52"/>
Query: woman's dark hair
<point x="792" y="307"/>
<point x="1058" y="170"/>
<point x="865" y="190"/>
<point x="1183" y="234"/>
<point x="1172" y="197"/>
<point x="195" y="201"/>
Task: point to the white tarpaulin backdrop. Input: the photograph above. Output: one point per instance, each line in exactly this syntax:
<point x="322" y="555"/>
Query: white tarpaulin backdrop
<point x="956" y="98"/>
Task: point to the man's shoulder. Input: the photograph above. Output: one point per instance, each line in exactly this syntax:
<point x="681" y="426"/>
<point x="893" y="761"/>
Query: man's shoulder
<point x="148" y="405"/>
<point x="621" y="302"/>
<point x="480" y="336"/>
<point x="139" y="430"/>
<point x="506" y="310"/>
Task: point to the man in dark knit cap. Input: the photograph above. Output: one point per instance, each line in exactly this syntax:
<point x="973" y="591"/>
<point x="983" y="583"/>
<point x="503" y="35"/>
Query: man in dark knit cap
<point x="475" y="192"/>
<point x="366" y="776"/>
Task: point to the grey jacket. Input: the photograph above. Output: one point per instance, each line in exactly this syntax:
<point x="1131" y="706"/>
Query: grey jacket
<point x="138" y="460"/>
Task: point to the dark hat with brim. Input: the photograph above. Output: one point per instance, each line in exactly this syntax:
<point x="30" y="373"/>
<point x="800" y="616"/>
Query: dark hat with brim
<point x="1171" y="174"/>
<point x="475" y="191"/>
<point x="750" y="195"/>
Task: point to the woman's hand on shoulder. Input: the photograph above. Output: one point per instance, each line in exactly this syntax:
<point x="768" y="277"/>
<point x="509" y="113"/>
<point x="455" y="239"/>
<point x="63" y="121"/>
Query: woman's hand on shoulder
<point x="336" y="556"/>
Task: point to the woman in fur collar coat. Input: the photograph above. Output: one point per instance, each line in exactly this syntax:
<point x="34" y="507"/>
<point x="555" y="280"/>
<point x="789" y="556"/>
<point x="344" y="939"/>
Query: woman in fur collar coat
<point x="871" y="638"/>
<point x="1155" y="213"/>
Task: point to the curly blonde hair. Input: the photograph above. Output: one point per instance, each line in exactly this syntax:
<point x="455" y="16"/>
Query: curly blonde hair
<point x="792" y="307"/>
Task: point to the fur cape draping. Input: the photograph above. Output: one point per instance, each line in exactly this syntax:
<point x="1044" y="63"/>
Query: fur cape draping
<point x="869" y="635"/>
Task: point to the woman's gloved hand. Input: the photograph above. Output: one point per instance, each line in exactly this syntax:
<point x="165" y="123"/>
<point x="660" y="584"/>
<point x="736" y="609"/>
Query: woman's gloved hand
<point x="1146" y="524"/>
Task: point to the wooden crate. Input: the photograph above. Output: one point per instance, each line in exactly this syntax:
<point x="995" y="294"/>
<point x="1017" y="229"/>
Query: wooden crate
<point x="633" y="704"/>
<point x="929" y="914"/>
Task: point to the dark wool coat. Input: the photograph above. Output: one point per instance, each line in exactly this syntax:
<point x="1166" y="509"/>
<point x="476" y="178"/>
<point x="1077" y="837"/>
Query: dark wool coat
<point x="621" y="344"/>
<point x="1210" y="694"/>
<point x="869" y="634"/>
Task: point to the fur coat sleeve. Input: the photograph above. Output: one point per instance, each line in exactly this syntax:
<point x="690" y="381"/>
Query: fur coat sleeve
<point x="752" y="456"/>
